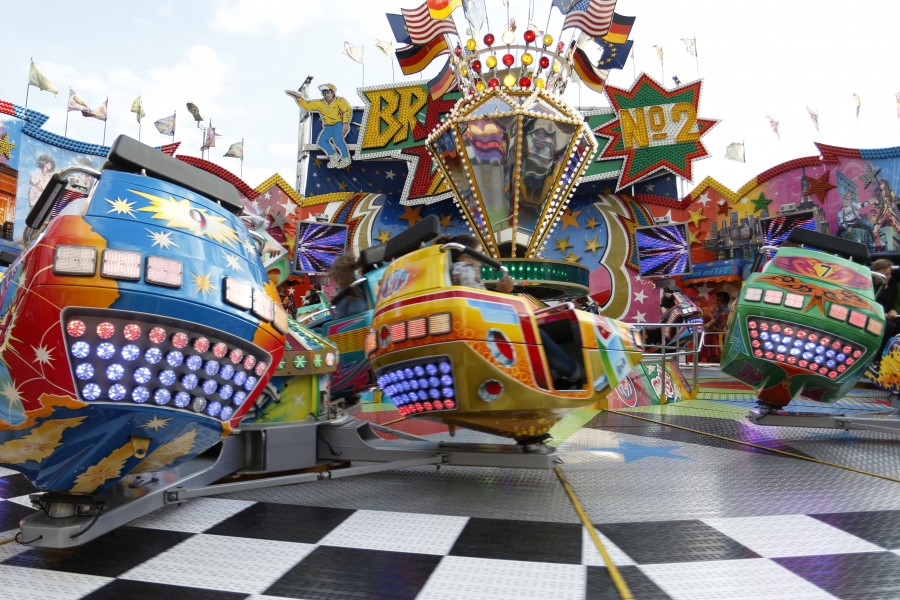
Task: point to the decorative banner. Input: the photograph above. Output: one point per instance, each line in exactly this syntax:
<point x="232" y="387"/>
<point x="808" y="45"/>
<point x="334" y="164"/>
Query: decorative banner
<point x="656" y="130"/>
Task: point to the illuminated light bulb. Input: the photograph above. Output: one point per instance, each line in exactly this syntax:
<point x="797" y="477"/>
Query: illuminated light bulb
<point x="508" y="59"/>
<point x="548" y="40"/>
<point x="479" y="85"/>
<point x="525" y="82"/>
<point x="509" y="81"/>
<point x="527" y="59"/>
<point x="489" y="39"/>
<point x="491" y="62"/>
<point x="464" y="72"/>
<point x="556" y="66"/>
<point x="544" y="62"/>
<point x="493" y="82"/>
<point x="508" y="37"/>
<point x="529" y="36"/>
<point x="539" y="83"/>
<point x="476" y="66"/>
<point x="471" y="45"/>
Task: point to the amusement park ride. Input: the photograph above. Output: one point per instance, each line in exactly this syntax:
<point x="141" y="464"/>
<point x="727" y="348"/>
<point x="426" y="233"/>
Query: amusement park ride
<point x="147" y="374"/>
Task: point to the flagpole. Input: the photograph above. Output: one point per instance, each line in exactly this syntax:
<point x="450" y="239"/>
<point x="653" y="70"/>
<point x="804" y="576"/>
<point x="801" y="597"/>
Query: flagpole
<point x="696" y="57"/>
<point x="242" y="159"/>
<point x="66" y="128"/>
<point x="104" y="125"/>
<point x="174" y="120"/>
<point x="28" y="87"/>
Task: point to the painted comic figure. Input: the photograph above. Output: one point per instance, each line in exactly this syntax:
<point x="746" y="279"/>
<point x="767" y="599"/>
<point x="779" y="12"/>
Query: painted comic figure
<point x="885" y="215"/>
<point x="335" y="112"/>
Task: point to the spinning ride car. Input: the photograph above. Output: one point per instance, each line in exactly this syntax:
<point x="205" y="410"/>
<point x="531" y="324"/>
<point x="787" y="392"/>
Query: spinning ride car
<point x="138" y="326"/>
<point x="807" y="324"/>
<point x="473" y="358"/>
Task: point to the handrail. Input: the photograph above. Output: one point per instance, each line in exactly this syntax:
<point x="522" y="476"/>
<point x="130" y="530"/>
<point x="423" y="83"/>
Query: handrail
<point x="698" y="337"/>
<point x="550" y="309"/>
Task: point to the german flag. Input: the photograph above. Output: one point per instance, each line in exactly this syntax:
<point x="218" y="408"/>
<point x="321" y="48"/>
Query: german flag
<point x="443" y="82"/>
<point x="592" y="77"/>
<point x="619" y="29"/>
<point x="414" y="59"/>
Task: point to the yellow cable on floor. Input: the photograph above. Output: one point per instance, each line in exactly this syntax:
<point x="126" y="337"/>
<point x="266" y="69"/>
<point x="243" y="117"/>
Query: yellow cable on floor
<point x="774" y="450"/>
<point x="614" y="574"/>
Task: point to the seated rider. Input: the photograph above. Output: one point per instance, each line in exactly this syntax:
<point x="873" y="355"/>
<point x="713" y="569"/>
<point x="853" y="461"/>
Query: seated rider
<point x="466" y="271"/>
<point x="343" y="274"/>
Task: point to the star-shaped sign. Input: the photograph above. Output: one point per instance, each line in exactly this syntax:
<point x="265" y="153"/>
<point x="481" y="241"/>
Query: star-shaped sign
<point x="591" y="223"/>
<point x="6" y="146"/>
<point x="820" y="187"/>
<point x="572" y="258"/>
<point x="761" y="203"/>
<point x="656" y="129"/>
<point x="592" y="245"/>
<point x="383" y="236"/>
<point x="569" y="218"/>
<point x="562" y="244"/>
<point x="447" y="221"/>
<point x="695" y="216"/>
<point x="411" y="215"/>
<point x="868" y="178"/>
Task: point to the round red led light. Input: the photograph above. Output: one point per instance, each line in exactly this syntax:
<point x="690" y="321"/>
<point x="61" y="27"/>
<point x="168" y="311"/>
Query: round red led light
<point x="157" y="335"/>
<point x="106" y="330"/>
<point x="76" y="328"/>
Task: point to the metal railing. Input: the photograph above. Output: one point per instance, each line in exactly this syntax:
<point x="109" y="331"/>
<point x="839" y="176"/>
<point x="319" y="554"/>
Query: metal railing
<point x="686" y="341"/>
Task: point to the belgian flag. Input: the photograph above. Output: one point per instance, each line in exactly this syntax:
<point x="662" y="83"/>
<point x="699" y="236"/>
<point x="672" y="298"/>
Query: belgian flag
<point x="413" y="58"/>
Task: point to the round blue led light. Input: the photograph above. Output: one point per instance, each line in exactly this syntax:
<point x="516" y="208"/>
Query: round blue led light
<point x="423" y="395"/>
<point x="194" y="362"/>
<point x="787" y="340"/>
<point x="434" y="382"/>
<point x="209" y="386"/>
<point x="769" y="346"/>
<point x="810" y="346"/>
<point x="189" y="381"/>
<point x="167" y="377"/>
<point x="239" y="397"/>
<point x="419" y="370"/>
<point x="226" y="391"/>
<point x="182" y="399"/>
<point x="446" y="380"/>
<point x="84" y="371"/>
<point x="831" y="364"/>
<point x="115" y="372"/>
<point x="250" y="383"/>
<point x="408" y="373"/>
<point x="153" y="355"/>
<point x="841" y="357"/>
<point x="819" y="359"/>
<point x="240" y="377"/>
<point x="91" y="391"/>
<point x="830" y="353"/>
<point x="776" y="337"/>
<point x="423" y="384"/>
<point x="807" y="355"/>
<point x="130" y="352"/>
<point x="226" y="372"/>
<point x="431" y="369"/>
<point x="798" y="343"/>
<point x="175" y="358"/>
<point x="142" y="374"/>
<point x="117" y="392"/>
<point x="412" y="384"/>
<point x="763" y="335"/>
<point x="162" y="396"/>
<point x="211" y="367"/>
<point x="213" y="408"/>
<point x="781" y="349"/>
<point x="795" y="351"/>
<point x="434" y="393"/>
<point x="447" y="392"/>
<point x="140" y="394"/>
<point x="226" y="413"/>
<point x="80" y="349"/>
<point x="106" y="350"/>
<point x="820" y="349"/>
<point x="398" y="375"/>
<point x="382" y="381"/>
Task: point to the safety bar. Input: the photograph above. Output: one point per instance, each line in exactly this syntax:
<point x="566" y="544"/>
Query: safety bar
<point x="670" y="349"/>
<point x="551" y="309"/>
<point x="479" y="256"/>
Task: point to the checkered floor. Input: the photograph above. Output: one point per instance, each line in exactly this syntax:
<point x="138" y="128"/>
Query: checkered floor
<point x="503" y="535"/>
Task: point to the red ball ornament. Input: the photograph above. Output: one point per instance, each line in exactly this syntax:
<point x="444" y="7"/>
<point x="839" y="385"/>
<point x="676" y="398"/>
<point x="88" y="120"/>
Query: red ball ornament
<point x="458" y="50"/>
<point x="489" y="39"/>
<point x="476" y="66"/>
<point x="544" y="62"/>
<point x="560" y="47"/>
<point x="494" y="82"/>
<point x="529" y="36"/>
<point x="524" y="82"/>
<point x="508" y="60"/>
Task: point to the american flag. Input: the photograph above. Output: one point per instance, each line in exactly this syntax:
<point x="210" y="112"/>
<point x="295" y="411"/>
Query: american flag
<point x="591" y="16"/>
<point x="422" y="28"/>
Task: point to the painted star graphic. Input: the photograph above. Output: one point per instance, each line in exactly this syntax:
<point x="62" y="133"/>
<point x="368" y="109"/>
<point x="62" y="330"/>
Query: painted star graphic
<point x="761" y="203"/>
<point x="411" y="215"/>
<point x="163" y="239"/>
<point x="592" y="245"/>
<point x="121" y="207"/>
<point x="640" y="296"/>
<point x="288" y="205"/>
<point x="203" y="282"/>
<point x="723" y="207"/>
<point x="591" y="223"/>
<point x="233" y="262"/>
<point x="278" y="221"/>
<point x="696" y="216"/>
<point x="672" y="148"/>
<point x="649" y="187"/>
<point x="383" y="236"/>
<point x="43" y="354"/>
<point x="572" y="258"/>
<point x="6" y="146"/>
<point x="820" y="187"/>
<point x="447" y="221"/>
<point x="693" y="237"/>
<point x="342" y="186"/>
<point x="156" y="423"/>
<point x="389" y="174"/>
<point x="562" y="244"/>
<point x="635" y="452"/>
<point x="868" y="178"/>
<point x="704" y="198"/>
<point x="569" y="218"/>
<point x="640" y="317"/>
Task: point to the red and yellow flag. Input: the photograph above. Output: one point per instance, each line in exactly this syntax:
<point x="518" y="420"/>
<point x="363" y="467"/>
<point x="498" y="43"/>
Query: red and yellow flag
<point x="441" y="9"/>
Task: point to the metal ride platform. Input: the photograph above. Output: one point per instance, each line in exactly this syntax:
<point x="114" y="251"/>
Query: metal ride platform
<point x="686" y="500"/>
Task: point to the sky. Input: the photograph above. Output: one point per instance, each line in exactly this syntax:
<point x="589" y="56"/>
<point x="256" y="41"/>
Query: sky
<point x="235" y="58"/>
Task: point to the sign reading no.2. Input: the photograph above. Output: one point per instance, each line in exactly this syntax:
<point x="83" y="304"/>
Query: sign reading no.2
<point x="655" y="125"/>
